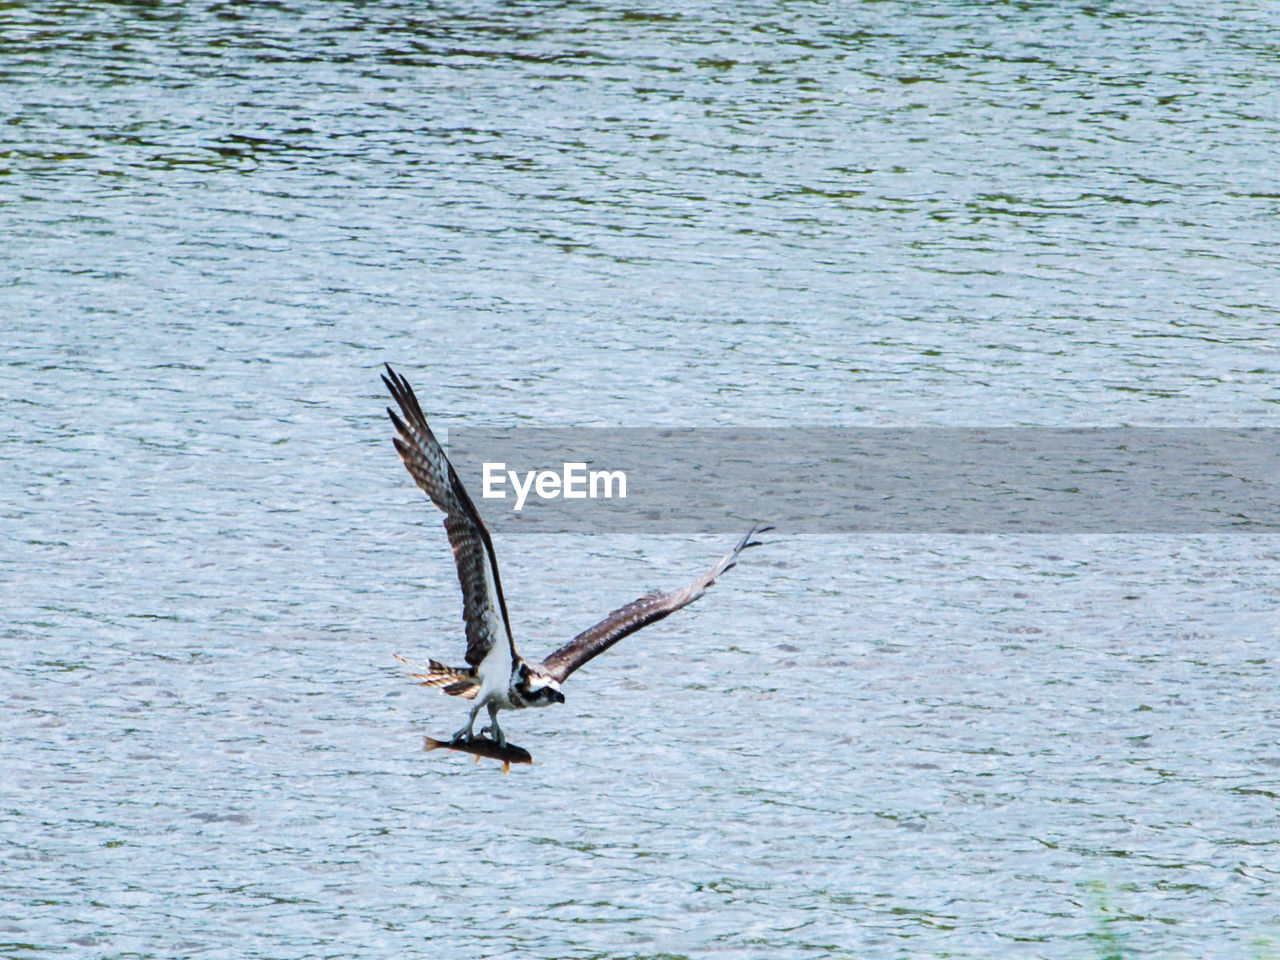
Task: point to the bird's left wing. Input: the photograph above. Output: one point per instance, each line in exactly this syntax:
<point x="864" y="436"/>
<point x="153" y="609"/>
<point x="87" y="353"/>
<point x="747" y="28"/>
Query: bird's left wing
<point x="639" y="613"/>
<point x="483" y="607"/>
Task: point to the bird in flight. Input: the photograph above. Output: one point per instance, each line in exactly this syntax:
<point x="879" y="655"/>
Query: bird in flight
<point x="497" y="677"/>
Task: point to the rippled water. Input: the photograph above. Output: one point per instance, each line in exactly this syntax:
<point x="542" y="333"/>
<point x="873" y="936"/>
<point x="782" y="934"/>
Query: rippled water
<point x="220" y="219"/>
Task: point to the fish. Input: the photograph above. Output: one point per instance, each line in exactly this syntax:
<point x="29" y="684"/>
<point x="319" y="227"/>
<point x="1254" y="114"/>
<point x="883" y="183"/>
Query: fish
<point x="483" y="747"/>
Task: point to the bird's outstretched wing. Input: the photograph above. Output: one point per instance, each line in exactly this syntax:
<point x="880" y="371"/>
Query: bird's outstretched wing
<point x="638" y="613"/>
<point x="483" y="607"/>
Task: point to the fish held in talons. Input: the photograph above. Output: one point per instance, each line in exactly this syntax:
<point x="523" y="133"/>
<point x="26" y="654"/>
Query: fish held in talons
<point x="483" y="748"/>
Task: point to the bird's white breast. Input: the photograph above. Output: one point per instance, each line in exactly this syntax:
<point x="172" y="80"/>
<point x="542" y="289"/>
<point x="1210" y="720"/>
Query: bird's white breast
<point x="495" y="674"/>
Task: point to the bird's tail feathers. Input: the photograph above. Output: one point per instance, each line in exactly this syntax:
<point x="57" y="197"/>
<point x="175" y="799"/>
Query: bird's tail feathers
<point x="455" y="681"/>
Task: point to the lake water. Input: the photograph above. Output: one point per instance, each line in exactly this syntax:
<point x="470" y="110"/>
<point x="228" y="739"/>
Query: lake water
<point x="220" y="219"/>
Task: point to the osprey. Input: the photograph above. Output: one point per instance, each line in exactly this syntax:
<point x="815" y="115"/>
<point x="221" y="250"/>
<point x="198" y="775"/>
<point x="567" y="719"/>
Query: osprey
<point x="497" y="677"/>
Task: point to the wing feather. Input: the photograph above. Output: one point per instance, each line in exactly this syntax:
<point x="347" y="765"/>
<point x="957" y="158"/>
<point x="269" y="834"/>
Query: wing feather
<point x="648" y="609"/>
<point x="483" y="606"/>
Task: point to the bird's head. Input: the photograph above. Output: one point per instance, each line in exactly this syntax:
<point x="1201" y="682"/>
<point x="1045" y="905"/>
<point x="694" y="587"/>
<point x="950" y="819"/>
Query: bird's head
<point x="537" y="689"/>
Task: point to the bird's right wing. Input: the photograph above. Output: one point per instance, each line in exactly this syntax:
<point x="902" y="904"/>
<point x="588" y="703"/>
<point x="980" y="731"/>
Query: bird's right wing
<point x="483" y="607"/>
<point x="639" y="613"/>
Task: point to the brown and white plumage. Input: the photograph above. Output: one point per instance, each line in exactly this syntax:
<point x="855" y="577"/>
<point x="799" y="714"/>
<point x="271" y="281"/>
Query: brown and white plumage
<point x="498" y="676"/>
<point x="650" y="608"/>
<point x="483" y="607"/>
<point x="455" y="681"/>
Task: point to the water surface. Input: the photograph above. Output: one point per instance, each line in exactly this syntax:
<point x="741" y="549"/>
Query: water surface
<point x="221" y="219"/>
